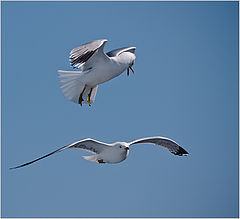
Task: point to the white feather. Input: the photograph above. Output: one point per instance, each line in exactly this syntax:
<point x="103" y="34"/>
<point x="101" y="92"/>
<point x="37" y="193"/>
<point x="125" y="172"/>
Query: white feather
<point x="93" y="94"/>
<point x="92" y="158"/>
<point x="71" y="84"/>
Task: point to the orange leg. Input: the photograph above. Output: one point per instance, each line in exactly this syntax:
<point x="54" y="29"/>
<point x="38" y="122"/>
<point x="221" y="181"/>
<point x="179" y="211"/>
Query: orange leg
<point x="88" y="97"/>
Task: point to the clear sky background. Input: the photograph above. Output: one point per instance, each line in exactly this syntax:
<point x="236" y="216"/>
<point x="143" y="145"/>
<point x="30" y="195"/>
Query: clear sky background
<point x="185" y="87"/>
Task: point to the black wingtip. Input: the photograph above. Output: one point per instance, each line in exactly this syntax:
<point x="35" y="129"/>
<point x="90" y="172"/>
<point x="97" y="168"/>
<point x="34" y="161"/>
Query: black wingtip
<point x="12" y="168"/>
<point x="181" y="152"/>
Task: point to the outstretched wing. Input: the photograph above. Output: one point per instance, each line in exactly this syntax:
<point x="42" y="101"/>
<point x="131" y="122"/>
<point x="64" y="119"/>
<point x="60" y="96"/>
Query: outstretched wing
<point x="87" y="144"/>
<point x="117" y="52"/>
<point x="171" y="145"/>
<point x="81" y="55"/>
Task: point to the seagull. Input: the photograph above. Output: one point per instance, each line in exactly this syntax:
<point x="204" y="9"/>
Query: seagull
<point x="97" y="67"/>
<point x="115" y="152"/>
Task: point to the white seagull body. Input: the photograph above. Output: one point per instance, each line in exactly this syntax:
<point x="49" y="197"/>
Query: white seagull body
<point x="115" y="152"/>
<point x="97" y="68"/>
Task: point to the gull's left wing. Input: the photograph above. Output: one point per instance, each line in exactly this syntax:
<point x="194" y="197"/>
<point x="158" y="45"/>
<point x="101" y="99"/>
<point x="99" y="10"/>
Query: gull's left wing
<point x="171" y="145"/>
<point x="87" y="144"/>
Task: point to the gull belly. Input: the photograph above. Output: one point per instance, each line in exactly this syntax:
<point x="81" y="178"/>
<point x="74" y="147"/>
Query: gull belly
<point x="113" y="155"/>
<point x="103" y="72"/>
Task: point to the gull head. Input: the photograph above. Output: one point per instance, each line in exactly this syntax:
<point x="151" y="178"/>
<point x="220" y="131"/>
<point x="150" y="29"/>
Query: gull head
<point x="130" y="61"/>
<point x="126" y="58"/>
<point x="122" y="147"/>
<point x="132" y="58"/>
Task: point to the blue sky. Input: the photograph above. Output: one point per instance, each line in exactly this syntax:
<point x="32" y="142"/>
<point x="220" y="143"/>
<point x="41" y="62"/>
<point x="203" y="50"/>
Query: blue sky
<point x="185" y="87"/>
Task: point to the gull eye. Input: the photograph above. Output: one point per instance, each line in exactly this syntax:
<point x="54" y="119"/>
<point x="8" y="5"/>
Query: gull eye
<point x="120" y="146"/>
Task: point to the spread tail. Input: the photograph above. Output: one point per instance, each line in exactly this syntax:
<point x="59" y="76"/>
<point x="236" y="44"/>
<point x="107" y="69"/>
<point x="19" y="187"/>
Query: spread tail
<point x="72" y="84"/>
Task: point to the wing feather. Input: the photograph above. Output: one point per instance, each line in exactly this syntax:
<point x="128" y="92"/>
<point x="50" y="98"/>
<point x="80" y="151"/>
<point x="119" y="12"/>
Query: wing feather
<point x="171" y="145"/>
<point x="83" y="53"/>
<point x="87" y="144"/>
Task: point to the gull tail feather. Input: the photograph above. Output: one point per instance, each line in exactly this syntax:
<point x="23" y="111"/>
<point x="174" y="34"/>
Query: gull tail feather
<point x="71" y="84"/>
<point x="92" y="158"/>
<point x="93" y="94"/>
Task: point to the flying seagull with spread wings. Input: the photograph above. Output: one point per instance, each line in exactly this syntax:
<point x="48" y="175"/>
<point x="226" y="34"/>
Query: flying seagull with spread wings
<point x="115" y="152"/>
<point x="97" y="67"/>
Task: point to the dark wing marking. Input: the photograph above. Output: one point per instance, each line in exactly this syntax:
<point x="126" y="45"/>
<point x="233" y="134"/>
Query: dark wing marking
<point x="82" y="54"/>
<point x="171" y="145"/>
<point x="117" y="52"/>
<point x="88" y="144"/>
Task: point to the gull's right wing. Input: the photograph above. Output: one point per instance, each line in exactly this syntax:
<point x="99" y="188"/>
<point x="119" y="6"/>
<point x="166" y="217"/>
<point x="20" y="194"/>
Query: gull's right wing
<point x="87" y="144"/>
<point x="117" y="52"/>
<point x="82" y="55"/>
